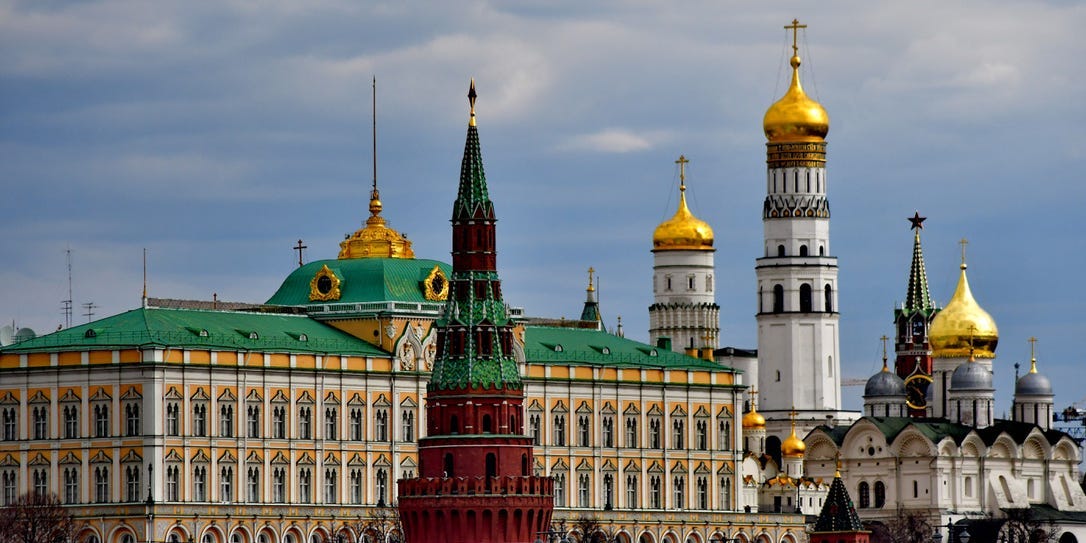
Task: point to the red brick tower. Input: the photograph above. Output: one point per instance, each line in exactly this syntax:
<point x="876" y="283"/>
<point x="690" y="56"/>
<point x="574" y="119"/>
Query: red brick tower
<point x="475" y="482"/>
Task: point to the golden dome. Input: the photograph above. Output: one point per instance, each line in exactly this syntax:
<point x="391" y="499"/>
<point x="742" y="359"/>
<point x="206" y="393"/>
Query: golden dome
<point x="793" y="446"/>
<point x="795" y="117"/>
<point x="684" y="231"/>
<point x="376" y="239"/>
<point x="962" y="326"/>
<point x="753" y="420"/>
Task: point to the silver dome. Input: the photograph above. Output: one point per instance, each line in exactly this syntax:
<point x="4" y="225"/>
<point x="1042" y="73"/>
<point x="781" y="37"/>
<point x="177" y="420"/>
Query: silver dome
<point x="971" y="376"/>
<point x="884" y="383"/>
<point x="1033" y="384"/>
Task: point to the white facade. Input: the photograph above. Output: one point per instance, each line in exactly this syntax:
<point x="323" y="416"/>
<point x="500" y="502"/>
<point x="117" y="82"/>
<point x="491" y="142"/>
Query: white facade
<point x="684" y="306"/>
<point x="798" y="347"/>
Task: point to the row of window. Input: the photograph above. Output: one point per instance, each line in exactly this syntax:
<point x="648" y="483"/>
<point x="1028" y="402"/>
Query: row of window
<point x="805" y="299"/>
<point x="778" y="181"/>
<point x="304" y="423"/>
<point x="655" y="495"/>
<point x="803" y="250"/>
<point x="70" y="427"/>
<point x="654" y="439"/>
<point x="691" y="283"/>
<point x="198" y="479"/>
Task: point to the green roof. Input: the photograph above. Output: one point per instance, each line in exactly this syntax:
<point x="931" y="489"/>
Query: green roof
<point x="559" y="345"/>
<point x="362" y="280"/>
<point x="938" y="429"/>
<point x="201" y="329"/>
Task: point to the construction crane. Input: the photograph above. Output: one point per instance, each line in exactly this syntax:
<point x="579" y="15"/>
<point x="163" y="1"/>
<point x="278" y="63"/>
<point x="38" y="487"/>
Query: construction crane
<point x="1072" y="421"/>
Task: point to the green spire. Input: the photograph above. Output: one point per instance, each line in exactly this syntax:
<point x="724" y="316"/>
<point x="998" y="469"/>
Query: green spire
<point x="838" y="512"/>
<point x="918" y="297"/>
<point x="472" y="200"/>
<point x="475" y="335"/>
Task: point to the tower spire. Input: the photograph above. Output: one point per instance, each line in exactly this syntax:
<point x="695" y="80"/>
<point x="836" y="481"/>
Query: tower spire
<point x="1032" y="355"/>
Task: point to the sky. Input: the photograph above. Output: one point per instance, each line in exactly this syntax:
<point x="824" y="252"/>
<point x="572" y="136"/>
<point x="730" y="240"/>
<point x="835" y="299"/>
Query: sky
<point x="216" y="134"/>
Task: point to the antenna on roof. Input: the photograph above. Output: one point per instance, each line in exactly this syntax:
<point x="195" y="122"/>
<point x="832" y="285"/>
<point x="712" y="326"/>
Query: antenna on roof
<point x="89" y="308"/>
<point x="374" y="111"/>
<point x="66" y="305"/>
<point x="143" y="300"/>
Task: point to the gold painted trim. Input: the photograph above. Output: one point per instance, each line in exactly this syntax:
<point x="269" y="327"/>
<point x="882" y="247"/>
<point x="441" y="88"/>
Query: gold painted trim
<point x="438" y="292"/>
<point x="334" y="293"/>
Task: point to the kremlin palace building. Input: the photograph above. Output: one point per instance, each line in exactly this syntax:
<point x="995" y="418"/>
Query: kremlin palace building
<point x="356" y="403"/>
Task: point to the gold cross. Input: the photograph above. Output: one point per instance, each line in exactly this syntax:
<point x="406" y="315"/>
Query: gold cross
<point x="590" y="272"/>
<point x="963" y="243"/>
<point x="884" y="339"/>
<point x="753" y="398"/>
<point x="1032" y="355"/>
<point x="794" y="27"/>
<point x="682" y="162"/>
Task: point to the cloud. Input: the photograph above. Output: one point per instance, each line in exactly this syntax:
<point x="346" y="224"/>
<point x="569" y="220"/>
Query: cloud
<point x="613" y="140"/>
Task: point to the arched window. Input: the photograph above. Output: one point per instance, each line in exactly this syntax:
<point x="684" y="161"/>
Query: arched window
<point x="865" y="495"/>
<point x="491" y="465"/>
<point x="829" y="299"/>
<point x="449" y="465"/>
<point x="780" y="250"/>
<point x="880" y="494"/>
<point x="821" y="250"/>
<point x="803" y="250"/>
<point x="454" y="425"/>
<point x="805" y="298"/>
<point x="486" y="424"/>
<point x="778" y="298"/>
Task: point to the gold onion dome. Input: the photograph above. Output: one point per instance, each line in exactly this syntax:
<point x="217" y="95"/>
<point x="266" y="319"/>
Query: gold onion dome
<point x="796" y="117"/>
<point x="963" y="326"/>
<point x="376" y="239"/>
<point x="793" y="446"/>
<point x="683" y="231"/>
<point x="753" y="419"/>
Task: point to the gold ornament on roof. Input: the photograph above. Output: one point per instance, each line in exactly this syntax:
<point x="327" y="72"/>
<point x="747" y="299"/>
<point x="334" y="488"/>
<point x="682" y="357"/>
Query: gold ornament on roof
<point x="793" y="445"/>
<point x="963" y="328"/>
<point x="753" y="420"/>
<point x="325" y="285"/>
<point x="376" y="239"/>
<point x="683" y="231"/>
<point x="436" y="285"/>
<point x="796" y="117"/>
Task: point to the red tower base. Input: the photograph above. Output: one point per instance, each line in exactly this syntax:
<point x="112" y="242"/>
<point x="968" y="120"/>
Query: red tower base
<point x="475" y="509"/>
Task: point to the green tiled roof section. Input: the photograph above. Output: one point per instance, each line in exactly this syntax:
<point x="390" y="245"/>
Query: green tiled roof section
<point x="541" y="344"/>
<point x="185" y="328"/>
<point x="918" y="298"/>
<point x="362" y="280"/>
<point x="838" y="513"/>
<point x="472" y="193"/>
<point x="938" y="429"/>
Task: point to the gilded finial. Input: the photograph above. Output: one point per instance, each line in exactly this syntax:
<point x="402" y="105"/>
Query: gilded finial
<point x="591" y="286"/>
<point x="682" y="162"/>
<point x="972" y="329"/>
<point x="837" y="474"/>
<point x="963" y="243"/>
<point x="884" y="340"/>
<point x="1032" y="355"/>
<point x="471" y="100"/>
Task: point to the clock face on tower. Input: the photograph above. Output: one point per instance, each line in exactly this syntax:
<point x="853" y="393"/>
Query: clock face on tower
<point x="916" y="391"/>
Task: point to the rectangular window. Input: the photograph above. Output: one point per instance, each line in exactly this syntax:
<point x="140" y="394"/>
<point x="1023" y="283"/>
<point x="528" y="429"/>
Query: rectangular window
<point x="534" y="429"/>
<point x="356" y="486"/>
<point x="199" y="420"/>
<point x="304" y="418"/>
<point x="10" y="423"/>
<point x="71" y="485"/>
<point x="330" y="422"/>
<point x="101" y="484"/>
<point x="101" y="420"/>
<point x="356" y="425"/>
<point x="41" y="422"/>
<point x="583" y="490"/>
<point x="71" y="421"/>
<point x="330" y="495"/>
<point x="279" y="422"/>
<point x="132" y="483"/>
<point x="409" y="425"/>
<point x="304" y="485"/>
<point x="173" y="411"/>
<point x="279" y="480"/>
<point x="702" y="438"/>
<point x="132" y="419"/>
<point x="173" y="476"/>
<point x="654" y="433"/>
<point x="252" y="420"/>
<point x="583" y="431"/>
<point x="381" y="426"/>
<point x="226" y="421"/>
<point x="631" y="433"/>
<point x="560" y="430"/>
<point x="253" y="485"/>
<point x="608" y="432"/>
<point x="199" y="484"/>
<point x="41" y="481"/>
<point x="631" y="491"/>
<point x="226" y="484"/>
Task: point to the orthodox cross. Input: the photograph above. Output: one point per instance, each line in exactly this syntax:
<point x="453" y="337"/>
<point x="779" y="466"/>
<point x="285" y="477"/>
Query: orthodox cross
<point x="1032" y="355"/>
<point x="884" y="339"/>
<point x="753" y="398"/>
<point x="299" y="248"/>
<point x="963" y="243"/>
<point x="682" y="162"/>
<point x="591" y="270"/>
<point x="972" y="329"/>
<point x="794" y="27"/>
